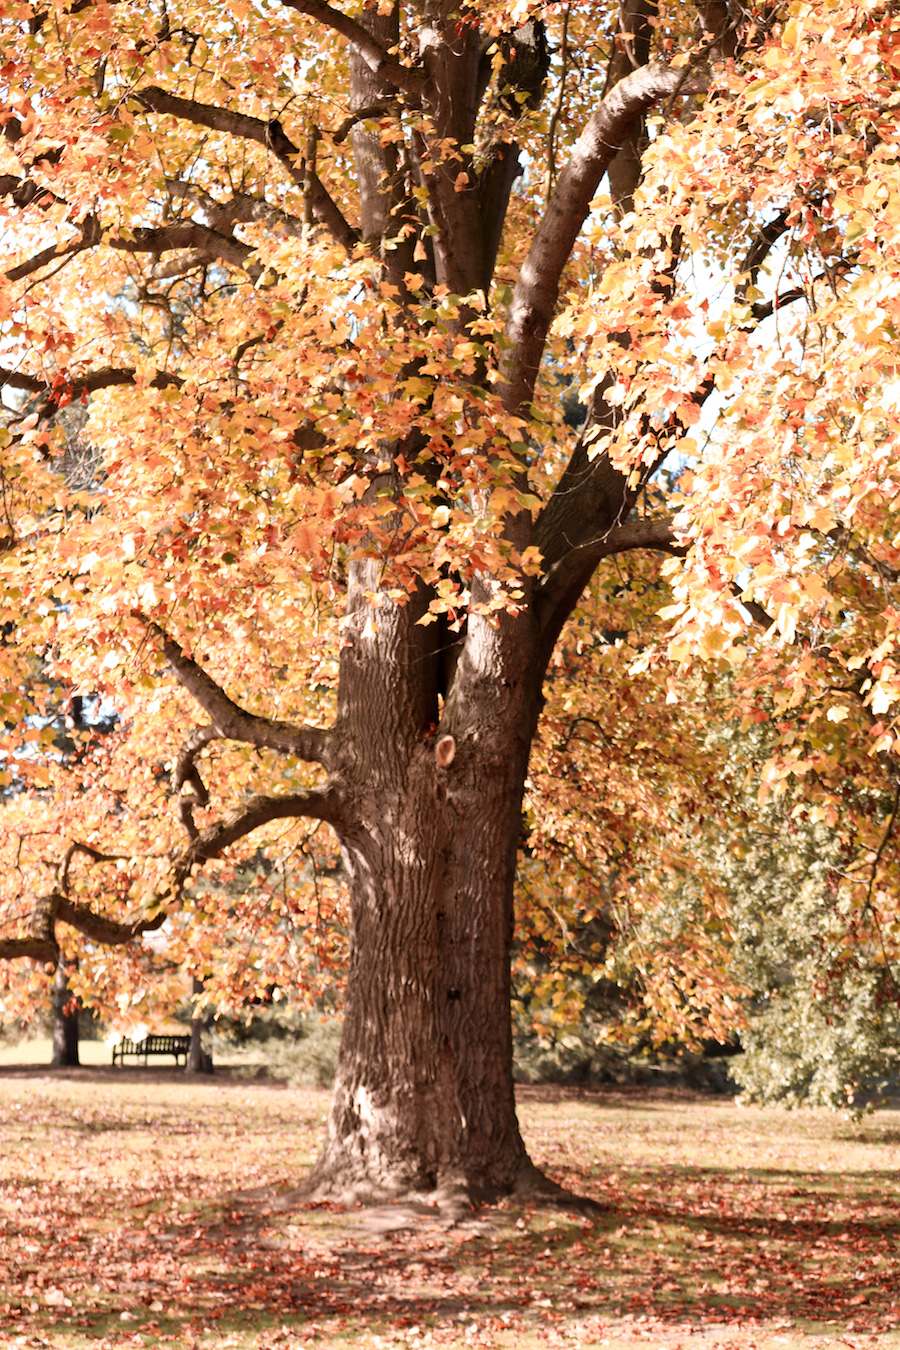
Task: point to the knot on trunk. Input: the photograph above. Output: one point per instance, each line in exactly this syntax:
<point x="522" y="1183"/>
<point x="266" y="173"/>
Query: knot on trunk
<point x="444" y="751"/>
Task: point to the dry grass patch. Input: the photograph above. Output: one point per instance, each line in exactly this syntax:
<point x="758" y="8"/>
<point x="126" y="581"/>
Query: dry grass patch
<point x="143" y="1209"/>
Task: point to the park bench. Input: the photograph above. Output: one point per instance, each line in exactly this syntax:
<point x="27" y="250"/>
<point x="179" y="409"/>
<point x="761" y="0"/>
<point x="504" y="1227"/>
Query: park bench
<point x="152" y="1045"/>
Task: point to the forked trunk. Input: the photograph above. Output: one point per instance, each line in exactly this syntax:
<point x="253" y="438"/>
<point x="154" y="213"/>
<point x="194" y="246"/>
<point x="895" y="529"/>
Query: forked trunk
<point x="433" y="755"/>
<point x="424" y="1094"/>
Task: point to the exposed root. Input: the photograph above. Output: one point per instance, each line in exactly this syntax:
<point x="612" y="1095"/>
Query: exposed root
<point x="446" y="1202"/>
<point x="534" y="1187"/>
<point x="455" y="1199"/>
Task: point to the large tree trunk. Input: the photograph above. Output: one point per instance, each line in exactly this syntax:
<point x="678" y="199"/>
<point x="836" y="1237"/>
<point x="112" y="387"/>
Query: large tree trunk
<point x="65" y="1022"/>
<point x="424" y="1095"/>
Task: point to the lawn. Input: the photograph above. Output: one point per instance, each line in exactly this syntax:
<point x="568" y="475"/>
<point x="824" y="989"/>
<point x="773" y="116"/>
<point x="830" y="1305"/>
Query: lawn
<point x="138" y="1208"/>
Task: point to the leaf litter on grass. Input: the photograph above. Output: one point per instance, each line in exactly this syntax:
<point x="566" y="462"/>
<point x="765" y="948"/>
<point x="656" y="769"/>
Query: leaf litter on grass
<point x="166" y="1213"/>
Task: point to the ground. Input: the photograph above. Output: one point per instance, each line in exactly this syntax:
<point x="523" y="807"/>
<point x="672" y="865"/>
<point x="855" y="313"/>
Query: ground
<point x="138" y="1208"/>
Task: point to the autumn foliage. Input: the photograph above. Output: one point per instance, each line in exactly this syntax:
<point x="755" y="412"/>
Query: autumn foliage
<point x="367" y="371"/>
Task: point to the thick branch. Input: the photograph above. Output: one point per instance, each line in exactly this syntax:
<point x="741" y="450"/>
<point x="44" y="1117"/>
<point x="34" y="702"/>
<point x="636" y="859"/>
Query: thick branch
<point x="185" y="235"/>
<point x="592" y="500"/>
<point x="156" y="240"/>
<point x="269" y="134"/>
<point x="241" y="206"/>
<point x="651" y="532"/>
<point x="631" y="50"/>
<point x="764" y="309"/>
<point x="537" y="289"/>
<point x="379" y="61"/>
<point x="760" y="616"/>
<point x="232" y="722"/>
<point x="57" y="907"/>
<point x="364" y="114"/>
<point x="41" y="944"/>
<point x="527" y="65"/>
<point x="41" y="259"/>
<point x="101" y="929"/>
<point x="327" y="212"/>
<point x="587" y="516"/>
<point x="764" y="241"/>
<point x="88" y="382"/>
<point x="251" y="815"/>
<point x="38" y="949"/>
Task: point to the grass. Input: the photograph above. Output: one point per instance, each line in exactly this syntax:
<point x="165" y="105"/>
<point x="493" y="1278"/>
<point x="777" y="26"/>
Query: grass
<point x="39" y="1049"/>
<point x="139" y="1208"/>
<point x="308" y="1061"/>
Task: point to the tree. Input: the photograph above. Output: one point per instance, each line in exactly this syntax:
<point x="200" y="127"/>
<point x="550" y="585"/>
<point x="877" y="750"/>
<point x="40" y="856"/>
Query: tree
<point x="65" y="1022"/>
<point x="327" y="279"/>
<point x="199" y="1059"/>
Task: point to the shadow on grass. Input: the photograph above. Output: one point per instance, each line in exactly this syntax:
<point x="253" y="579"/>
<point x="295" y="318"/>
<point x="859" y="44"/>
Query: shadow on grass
<point x="132" y="1075"/>
<point x="678" y="1247"/>
<point x="157" y="1234"/>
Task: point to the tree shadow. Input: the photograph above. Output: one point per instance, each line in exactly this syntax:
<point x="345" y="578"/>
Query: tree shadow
<point x="129" y="1075"/>
<point x="676" y="1247"/>
<point x="696" y="1248"/>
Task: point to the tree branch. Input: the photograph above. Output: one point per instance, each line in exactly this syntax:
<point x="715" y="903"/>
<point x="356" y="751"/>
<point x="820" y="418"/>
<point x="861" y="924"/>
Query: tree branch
<point x="241" y="206"/>
<point x="537" y="289"/>
<point x="593" y="499"/>
<point x="187" y="235"/>
<point x="46" y="255"/>
<point x="101" y="929"/>
<point x="89" y="382"/>
<point x="38" y="949"/>
<point x="320" y="804"/>
<point x="57" y="907"/>
<point x="147" y="239"/>
<point x="23" y="192"/>
<point x="657" y="533"/>
<point x="379" y="61"/>
<point x="327" y="212"/>
<point x="187" y="780"/>
<point x="269" y="134"/>
<point x="95" y="855"/>
<point x="651" y="532"/>
<point x="364" y="114"/>
<point x="526" y="55"/>
<point x="631" y="50"/>
<point x="764" y="241"/>
<point x="41" y="944"/>
<point x="231" y="721"/>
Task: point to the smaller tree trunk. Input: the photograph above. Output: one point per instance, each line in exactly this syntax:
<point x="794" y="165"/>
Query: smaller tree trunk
<point x="65" y="1021"/>
<point x="199" y="1058"/>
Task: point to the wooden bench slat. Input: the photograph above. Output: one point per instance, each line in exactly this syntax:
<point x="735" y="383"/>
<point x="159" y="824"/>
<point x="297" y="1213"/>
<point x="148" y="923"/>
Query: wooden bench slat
<point x="151" y="1045"/>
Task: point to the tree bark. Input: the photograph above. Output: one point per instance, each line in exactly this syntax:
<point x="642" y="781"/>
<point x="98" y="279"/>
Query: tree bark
<point x="424" y="1094"/>
<point x="65" y="1022"/>
<point x="199" y="1059"/>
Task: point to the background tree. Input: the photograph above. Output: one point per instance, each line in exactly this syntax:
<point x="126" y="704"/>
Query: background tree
<point x="323" y="277"/>
<point x="65" y="1022"/>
